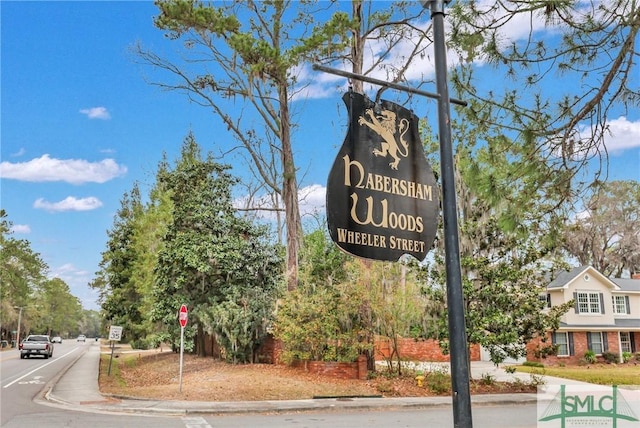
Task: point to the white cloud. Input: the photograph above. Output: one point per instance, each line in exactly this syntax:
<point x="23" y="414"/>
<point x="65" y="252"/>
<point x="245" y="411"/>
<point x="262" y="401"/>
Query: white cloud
<point x="67" y="269"/>
<point x="622" y="135"/>
<point x="75" y="171"/>
<point x="96" y="113"/>
<point x="316" y="85"/>
<point x="21" y="228"/>
<point x="512" y="27"/>
<point x="70" y="203"/>
<point x="311" y="199"/>
<point x="19" y="153"/>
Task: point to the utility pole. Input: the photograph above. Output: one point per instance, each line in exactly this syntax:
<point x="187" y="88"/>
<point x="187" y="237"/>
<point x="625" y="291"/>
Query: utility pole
<point x="19" y="321"/>
<point x="461" y="394"/>
<point x="458" y="346"/>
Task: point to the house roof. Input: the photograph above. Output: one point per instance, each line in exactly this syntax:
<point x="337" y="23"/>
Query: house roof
<point x="628" y="285"/>
<point x="627" y="322"/>
<point x="564" y="278"/>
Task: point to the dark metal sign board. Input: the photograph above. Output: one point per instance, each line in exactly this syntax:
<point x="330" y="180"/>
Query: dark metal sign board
<point x="382" y="198"/>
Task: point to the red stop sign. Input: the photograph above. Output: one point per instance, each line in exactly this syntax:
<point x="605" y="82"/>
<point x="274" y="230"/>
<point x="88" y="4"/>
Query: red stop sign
<point x="183" y="316"/>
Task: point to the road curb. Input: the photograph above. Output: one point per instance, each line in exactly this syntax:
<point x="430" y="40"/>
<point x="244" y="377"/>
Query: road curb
<point x="46" y="392"/>
<point x="181" y="408"/>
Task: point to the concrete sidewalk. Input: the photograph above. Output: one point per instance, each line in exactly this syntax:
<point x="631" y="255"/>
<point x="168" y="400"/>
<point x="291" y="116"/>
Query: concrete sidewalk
<point x="78" y="388"/>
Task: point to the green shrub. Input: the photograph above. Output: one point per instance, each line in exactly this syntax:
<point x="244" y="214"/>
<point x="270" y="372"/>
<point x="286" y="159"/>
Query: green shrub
<point x="487" y="379"/>
<point x="341" y="355"/>
<point x="510" y="369"/>
<point x="610" y="357"/>
<point x="626" y="357"/>
<point x="590" y="357"/>
<point x="545" y="351"/>
<point x="439" y="381"/>
<point x="139" y="344"/>
<point x="307" y="332"/>
<point x="289" y="357"/>
<point x="537" y="379"/>
<point x="155" y="341"/>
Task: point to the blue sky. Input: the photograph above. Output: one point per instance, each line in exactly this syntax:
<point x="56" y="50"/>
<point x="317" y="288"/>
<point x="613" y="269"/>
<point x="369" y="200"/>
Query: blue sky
<point x="80" y="124"/>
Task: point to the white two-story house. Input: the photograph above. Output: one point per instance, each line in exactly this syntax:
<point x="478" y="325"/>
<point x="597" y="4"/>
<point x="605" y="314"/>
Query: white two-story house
<point x="604" y="318"/>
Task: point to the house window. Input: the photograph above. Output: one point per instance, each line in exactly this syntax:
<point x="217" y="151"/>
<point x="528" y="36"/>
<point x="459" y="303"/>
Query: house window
<point x="620" y="304"/>
<point x="562" y="343"/>
<point x="595" y="342"/>
<point x="625" y="341"/>
<point x="545" y="299"/>
<point x="588" y="303"/>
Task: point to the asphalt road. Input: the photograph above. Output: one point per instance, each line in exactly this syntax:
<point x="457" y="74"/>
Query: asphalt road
<point x="22" y="380"/>
<point x="503" y="416"/>
<point x="23" y="383"/>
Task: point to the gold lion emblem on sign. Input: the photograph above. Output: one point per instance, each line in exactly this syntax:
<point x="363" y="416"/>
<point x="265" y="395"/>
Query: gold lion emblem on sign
<point x="385" y="126"/>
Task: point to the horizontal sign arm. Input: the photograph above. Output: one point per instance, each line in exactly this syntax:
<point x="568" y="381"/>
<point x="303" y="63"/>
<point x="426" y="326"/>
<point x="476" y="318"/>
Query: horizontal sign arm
<point x="379" y="82"/>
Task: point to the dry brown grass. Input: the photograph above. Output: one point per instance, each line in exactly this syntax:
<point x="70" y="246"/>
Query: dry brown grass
<point x="155" y="375"/>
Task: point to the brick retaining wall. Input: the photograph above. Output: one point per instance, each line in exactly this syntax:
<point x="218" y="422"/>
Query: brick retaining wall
<point x="357" y="370"/>
<point x="417" y="350"/>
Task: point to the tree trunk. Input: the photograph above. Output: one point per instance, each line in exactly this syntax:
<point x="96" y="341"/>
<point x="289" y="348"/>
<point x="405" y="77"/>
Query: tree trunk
<point x="200" y="339"/>
<point x="293" y="223"/>
<point x="357" y="50"/>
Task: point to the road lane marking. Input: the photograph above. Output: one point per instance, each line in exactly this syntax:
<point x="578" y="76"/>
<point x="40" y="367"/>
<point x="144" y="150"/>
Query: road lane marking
<point x="195" y="422"/>
<point x="38" y="368"/>
<point x="36" y="380"/>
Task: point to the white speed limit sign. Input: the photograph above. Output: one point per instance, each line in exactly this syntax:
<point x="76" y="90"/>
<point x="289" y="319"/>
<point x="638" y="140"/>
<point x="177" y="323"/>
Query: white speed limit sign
<point x="115" y="333"/>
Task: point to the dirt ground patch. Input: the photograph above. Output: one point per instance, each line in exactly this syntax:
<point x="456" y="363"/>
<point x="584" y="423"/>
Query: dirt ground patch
<point x="156" y="376"/>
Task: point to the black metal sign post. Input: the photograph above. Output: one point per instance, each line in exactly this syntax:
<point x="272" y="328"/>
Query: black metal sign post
<point x="384" y="83"/>
<point x="455" y="299"/>
<point x="461" y="394"/>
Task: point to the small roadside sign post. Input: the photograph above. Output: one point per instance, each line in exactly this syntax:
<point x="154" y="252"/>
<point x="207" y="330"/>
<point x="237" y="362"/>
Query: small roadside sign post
<point x="115" y="335"/>
<point x="183" y="316"/>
